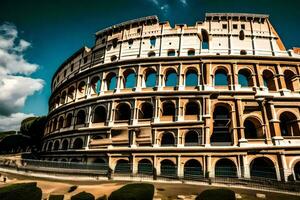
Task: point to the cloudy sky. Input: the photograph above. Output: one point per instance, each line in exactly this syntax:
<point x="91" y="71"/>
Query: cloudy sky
<point x="37" y="36"/>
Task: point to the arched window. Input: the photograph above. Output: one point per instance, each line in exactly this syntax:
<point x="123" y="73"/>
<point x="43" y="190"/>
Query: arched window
<point x="80" y="117"/>
<point x="192" y="108"/>
<point x="146" y="111"/>
<point x="65" y="144"/>
<point x="152" y="41"/>
<point x="167" y="139"/>
<point x="99" y="114"/>
<point x="151" y="54"/>
<point x="191" y="138"/>
<point x="262" y="168"/>
<point x="191" y="52"/>
<point x="191" y="78"/>
<point x="289" y="124"/>
<point x="221" y="78"/>
<point x="129" y="79"/>
<point x="81" y="87"/>
<point x="123" y="112"/>
<point x="168" y="168"/>
<point x="54" y="124"/>
<point x="69" y="120"/>
<point x="193" y="169"/>
<point x="56" y="145"/>
<point x="253" y="128"/>
<point x="171" y="78"/>
<point x="49" y="148"/>
<point x="95" y="85"/>
<point x="123" y="166"/>
<point x="145" y="167"/>
<point x="61" y="122"/>
<point x="221" y="131"/>
<point x="269" y="80"/>
<point x="288" y="77"/>
<point x="111" y="81"/>
<point x="78" y="143"/>
<point x="71" y="91"/>
<point x="297" y="171"/>
<point x="168" y="109"/>
<point x="225" y="168"/>
<point x="244" y="78"/>
<point x="63" y="97"/>
<point x="205" y="39"/>
<point x="171" y="52"/>
<point x="150" y="79"/>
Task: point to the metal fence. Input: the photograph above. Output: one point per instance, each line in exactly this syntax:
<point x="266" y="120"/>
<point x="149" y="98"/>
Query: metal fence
<point x="224" y="175"/>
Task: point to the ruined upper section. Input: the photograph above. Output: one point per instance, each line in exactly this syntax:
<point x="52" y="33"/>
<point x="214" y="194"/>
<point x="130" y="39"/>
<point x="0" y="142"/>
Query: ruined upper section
<point x="219" y="34"/>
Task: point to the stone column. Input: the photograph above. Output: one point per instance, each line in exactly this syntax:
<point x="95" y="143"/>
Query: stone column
<point x="209" y="169"/>
<point x="242" y="140"/>
<point x="277" y="138"/>
<point x="179" y="167"/>
<point x="180" y="78"/>
<point x="87" y="142"/>
<point x="246" y="168"/>
<point x="285" y="170"/>
<point x="234" y="127"/>
<point x="134" y="165"/>
<point x="139" y="78"/>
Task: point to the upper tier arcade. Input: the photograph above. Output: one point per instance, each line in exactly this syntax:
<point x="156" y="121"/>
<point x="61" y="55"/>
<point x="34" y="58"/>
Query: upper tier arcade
<point x="236" y="34"/>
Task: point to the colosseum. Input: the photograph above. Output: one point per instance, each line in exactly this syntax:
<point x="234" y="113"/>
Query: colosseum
<point x="221" y="94"/>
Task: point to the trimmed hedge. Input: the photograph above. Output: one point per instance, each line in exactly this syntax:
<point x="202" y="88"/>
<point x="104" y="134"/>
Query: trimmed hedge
<point x="83" y="196"/>
<point x="56" y="197"/>
<point x="21" y="191"/>
<point x="216" y="194"/>
<point x="135" y="191"/>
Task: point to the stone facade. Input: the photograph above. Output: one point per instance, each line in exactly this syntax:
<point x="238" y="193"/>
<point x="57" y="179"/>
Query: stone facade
<point x="224" y="92"/>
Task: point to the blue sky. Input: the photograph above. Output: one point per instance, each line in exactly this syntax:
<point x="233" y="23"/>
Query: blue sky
<point x="50" y="31"/>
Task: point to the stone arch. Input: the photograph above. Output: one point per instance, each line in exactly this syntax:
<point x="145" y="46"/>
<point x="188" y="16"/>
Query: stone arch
<point x="65" y="144"/>
<point x="146" y="110"/>
<point x="168" y="139"/>
<point x="168" y="168"/>
<point x="168" y="108"/>
<point x="191" y="138"/>
<point x="150" y="77"/>
<point x="268" y="78"/>
<point x="171" y="77"/>
<point x="192" y="108"/>
<point x="49" y="146"/>
<point x="56" y="145"/>
<point x="78" y="143"/>
<point x="204" y="39"/>
<point x="69" y="120"/>
<point x="81" y="87"/>
<point x="61" y="122"/>
<point x="100" y="114"/>
<point x="289" y="124"/>
<point x="225" y="167"/>
<point x="95" y="85"/>
<point x="123" y="111"/>
<point x="262" y="167"/>
<point x="122" y="166"/>
<point x="111" y="81"/>
<point x="289" y="76"/>
<point x="253" y="128"/>
<point x="221" y="77"/>
<point x="245" y="78"/>
<point x="145" y="166"/>
<point x="193" y="169"/>
<point x="63" y="97"/>
<point x="80" y="117"/>
<point x="71" y="93"/>
<point x="191" y="76"/>
<point x="129" y="80"/>
<point x="296" y="170"/>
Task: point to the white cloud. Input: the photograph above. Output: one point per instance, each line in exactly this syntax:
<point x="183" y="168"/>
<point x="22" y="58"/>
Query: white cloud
<point x="13" y="121"/>
<point x="164" y="6"/>
<point x="15" y="83"/>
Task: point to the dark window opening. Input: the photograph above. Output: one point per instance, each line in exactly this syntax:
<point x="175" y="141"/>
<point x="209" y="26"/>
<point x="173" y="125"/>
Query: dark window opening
<point x="99" y="114"/>
<point x="192" y="108"/>
<point x="123" y="112"/>
<point x="168" y="109"/>
<point x="167" y="139"/>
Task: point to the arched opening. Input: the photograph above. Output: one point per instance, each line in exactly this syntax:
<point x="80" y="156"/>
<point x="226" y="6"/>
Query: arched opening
<point x="63" y="98"/>
<point x="205" y="39"/>
<point x="151" y="54"/>
<point x="65" y="144"/>
<point x="81" y="87"/>
<point x="99" y="114"/>
<point x="297" y="171"/>
<point x="129" y="79"/>
<point x="244" y="78"/>
<point x="69" y="120"/>
<point x="192" y="108"/>
<point x="60" y="122"/>
<point x="253" y="128"/>
<point x="288" y="78"/>
<point x="146" y="111"/>
<point x="152" y="41"/>
<point x="150" y="79"/>
<point x="95" y="85"/>
<point x="80" y="117"/>
<point x="54" y="128"/>
<point x="145" y="167"/>
<point x="191" y="78"/>
<point x="57" y="101"/>
<point x="123" y="166"/>
<point x="168" y="109"/>
<point x="56" y="145"/>
<point x="191" y="52"/>
<point x="221" y="132"/>
<point x="171" y="52"/>
<point x="111" y="81"/>
<point x="71" y="92"/>
<point x="191" y="138"/>
<point x="123" y="112"/>
<point x="171" y="78"/>
<point x="78" y="143"/>
<point x="262" y="168"/>
<point x="269" y="82"/>
<point x="289" y="124"/>
<point x="225" y="168"/>
<point x="49" y="148"/>
<point x="221" y="78"/>
<point x="193" y="169"/>
<point x="167" y="139"/>
<point x="168" y="168"/>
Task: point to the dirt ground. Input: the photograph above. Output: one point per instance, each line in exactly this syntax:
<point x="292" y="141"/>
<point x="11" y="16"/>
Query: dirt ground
<point x="164" y="191"/>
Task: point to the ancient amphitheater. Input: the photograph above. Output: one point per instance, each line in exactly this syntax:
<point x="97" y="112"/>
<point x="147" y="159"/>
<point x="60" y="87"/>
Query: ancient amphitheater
<point x="219" y="98"/>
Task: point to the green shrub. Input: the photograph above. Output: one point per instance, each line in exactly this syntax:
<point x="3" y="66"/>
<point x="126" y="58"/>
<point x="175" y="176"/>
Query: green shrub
<point x="56" y="197"/>
<point x="21" y="191"/>
<point x="135" y="191"/>
<point x="216" y="194"/>
<point x="83" y="196"/>
<point x="73" y="188"/>
<point x="104" y="197"/>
